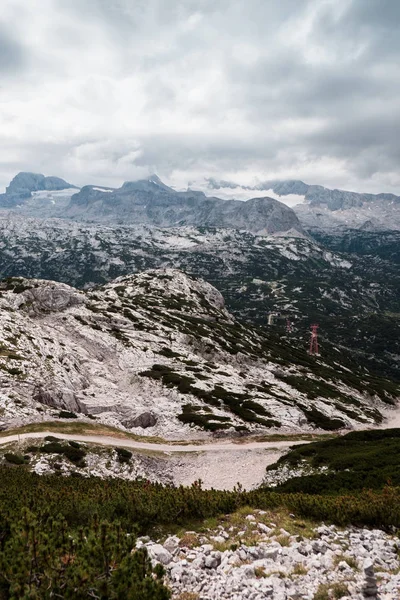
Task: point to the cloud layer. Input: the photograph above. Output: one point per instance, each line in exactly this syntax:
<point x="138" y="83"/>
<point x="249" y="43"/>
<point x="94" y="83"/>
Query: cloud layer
<point x="109" y="90"/>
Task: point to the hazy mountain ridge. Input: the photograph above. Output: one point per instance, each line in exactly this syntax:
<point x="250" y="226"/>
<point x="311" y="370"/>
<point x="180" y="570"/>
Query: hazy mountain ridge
<point x="317" y="195"/>
<point x="321" y="208"/>
<point x="23" y="186"/>
<point x="150" y="202"/>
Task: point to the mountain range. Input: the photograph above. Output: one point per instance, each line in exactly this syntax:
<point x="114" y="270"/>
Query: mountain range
<point x="319" y="207"/>
<point x="147" y="201"/>
<point x="150" y="201"/>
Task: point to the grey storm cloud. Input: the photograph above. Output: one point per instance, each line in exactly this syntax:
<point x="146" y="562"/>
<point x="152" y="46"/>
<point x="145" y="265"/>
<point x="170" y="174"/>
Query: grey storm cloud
<point x="109" y="90"/>
<point x="12" y="54"/>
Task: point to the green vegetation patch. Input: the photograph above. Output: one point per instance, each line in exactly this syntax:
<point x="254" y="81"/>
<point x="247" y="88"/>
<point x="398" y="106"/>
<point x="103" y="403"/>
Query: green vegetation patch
<point x="194" y="415"/>
<point x="66" y="414"/>
<point x="16" y="459"/>
<point x="240" y="404"/>
<point x="321" y="420"/>
<point x="358" y="460"/>
<point x="72" y="451"/>
<point x="124" y="456"/>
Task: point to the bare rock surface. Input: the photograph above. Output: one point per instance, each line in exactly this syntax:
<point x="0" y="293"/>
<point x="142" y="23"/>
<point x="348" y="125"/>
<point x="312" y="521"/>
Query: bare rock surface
<point x="351" y="563"/>
<point x="144" y="420"/>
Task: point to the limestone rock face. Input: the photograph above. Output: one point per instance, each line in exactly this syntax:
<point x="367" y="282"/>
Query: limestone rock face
<point x="64" y="399"/>
<point x="50" y="297"/>
<point x="159" y="554"/>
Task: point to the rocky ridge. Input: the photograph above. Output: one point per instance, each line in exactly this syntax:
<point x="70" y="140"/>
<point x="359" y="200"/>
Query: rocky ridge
<point x="163" y="343"/>
<point x="24" y="185"/>
<point x="151" y="202"/>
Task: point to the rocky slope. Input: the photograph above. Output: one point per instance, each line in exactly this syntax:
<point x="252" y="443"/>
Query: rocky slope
<point x="158" y="350"/>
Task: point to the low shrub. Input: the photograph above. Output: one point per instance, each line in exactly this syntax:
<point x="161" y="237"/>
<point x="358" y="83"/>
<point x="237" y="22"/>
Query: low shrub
<point x="357" y="460"/>
<point x="15" y="459"/>
<point x="66" y="414"/>
<point x="124" y="456"/>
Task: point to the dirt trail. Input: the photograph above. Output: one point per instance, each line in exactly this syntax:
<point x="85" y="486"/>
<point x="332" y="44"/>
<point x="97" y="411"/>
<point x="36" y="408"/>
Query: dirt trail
<point x="220" y="465"/>
<point x="128" y="443"/>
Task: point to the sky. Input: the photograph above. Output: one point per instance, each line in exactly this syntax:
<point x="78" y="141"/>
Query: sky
<point x="105" y="91"/>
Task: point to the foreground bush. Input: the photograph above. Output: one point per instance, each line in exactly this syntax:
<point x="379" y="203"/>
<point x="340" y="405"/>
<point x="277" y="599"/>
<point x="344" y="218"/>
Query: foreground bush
<point x="142" y="505"/>
<point x="52" y="561"/>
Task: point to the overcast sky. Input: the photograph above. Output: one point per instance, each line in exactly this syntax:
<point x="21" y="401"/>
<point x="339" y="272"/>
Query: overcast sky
<point x="103" y="91"/>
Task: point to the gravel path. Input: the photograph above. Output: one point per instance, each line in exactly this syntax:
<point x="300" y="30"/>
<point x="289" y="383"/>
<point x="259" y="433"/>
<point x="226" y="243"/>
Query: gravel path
<point x="225" y="469"/>
<point x="129" y="443"/>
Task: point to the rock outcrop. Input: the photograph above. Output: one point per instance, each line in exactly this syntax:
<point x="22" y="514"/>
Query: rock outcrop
<point x="333" y="563"/>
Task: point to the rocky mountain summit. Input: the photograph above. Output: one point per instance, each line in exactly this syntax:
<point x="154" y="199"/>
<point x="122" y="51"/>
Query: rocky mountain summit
<point x="24" y="185"/>
<point x="159" y="351"/>
<point x="151" y="202"/>
<point x="33" y="182"/>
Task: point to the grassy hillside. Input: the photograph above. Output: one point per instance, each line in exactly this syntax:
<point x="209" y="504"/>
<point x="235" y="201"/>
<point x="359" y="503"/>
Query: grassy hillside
<point x="356" y="461"/>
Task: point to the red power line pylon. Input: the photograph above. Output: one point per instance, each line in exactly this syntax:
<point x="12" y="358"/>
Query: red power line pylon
<point x="314" y="339"/>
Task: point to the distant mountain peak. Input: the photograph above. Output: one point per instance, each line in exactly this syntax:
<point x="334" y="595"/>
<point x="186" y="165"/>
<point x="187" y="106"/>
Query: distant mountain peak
<point x="147" y="201"/>
<point x="151" y="183"/>
<point x="155" y="179"/>
<point x="26" y="182"/>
